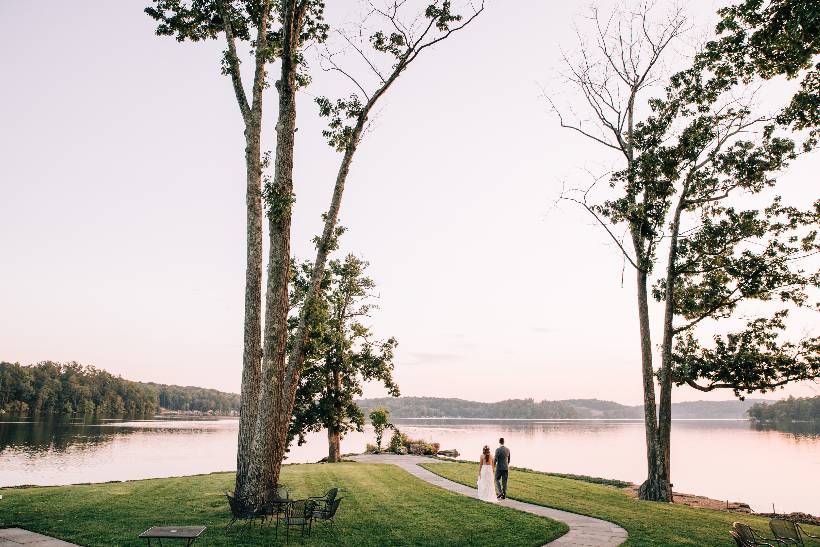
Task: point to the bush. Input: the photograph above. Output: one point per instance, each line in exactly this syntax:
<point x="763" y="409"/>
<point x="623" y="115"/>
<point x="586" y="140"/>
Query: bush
<point x="402" y="444"/>
<point x="396" y="442"/>
<point x="417" y="449"/>
<point x="371" y="449"/>
<point x="422" y="448"/>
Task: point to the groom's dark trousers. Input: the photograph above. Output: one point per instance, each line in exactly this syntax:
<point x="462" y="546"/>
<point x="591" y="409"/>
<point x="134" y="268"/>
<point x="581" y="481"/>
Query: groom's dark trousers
<point x="502" y="470"/>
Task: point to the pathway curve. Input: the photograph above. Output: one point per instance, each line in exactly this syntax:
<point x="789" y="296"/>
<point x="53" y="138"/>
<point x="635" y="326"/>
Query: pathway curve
<point x="583" y="531"/>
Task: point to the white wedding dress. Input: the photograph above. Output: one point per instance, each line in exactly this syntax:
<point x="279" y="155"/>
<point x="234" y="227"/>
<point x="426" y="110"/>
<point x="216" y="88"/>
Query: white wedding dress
<point x="486" y="484"/>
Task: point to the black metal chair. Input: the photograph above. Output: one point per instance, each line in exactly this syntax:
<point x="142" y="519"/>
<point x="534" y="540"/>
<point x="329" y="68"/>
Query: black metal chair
<point x="299" y="513"/>
<point x="788" y="532"/>
<point x="327" y="514"/>
<point x="746" y="537"/>
<point x="240" y="510"/>
<point x="275" y="504"/>
<point x="737" y="539"/>
<point x="323" y="501"/>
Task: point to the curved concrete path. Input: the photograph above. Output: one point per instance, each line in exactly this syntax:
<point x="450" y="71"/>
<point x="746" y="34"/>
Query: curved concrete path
<point x="583" y="531"/>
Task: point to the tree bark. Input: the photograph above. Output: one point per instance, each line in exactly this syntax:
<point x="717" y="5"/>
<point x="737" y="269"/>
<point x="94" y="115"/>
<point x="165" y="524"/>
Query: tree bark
<point x="273" y="417"/>
<point x="665" y="380"/>
<point x="251" y="356"/>
<point x="333" y="436"/>
<point x="652" y="488"/>
<point x="334" y="454"/>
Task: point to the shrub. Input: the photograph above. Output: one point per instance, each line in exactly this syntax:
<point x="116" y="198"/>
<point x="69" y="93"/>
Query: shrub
<point x="417" y="449"/>
<point x="396" y="442"/>
<point x="371" y="449"/>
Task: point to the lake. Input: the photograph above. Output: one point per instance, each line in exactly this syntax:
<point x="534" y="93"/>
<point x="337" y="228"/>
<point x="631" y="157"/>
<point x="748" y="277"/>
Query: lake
<point x="726" y="460"/>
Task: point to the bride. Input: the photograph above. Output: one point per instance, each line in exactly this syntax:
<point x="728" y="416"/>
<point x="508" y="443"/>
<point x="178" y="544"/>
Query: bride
<point x="486" y="473"/>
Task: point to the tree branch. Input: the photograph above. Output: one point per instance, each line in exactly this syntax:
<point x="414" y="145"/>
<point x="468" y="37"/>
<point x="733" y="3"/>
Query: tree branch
<point x="233" y="64"/>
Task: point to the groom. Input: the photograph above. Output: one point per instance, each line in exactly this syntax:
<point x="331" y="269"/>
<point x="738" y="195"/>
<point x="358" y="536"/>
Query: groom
<point x="502" y="469"/>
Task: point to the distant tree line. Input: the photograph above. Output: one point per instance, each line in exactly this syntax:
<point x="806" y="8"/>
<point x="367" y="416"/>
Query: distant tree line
<point x="802" y="409"/>
<point x="435" y="407"/>
<point x="195" y="399"/>
<point x="68" y="388"/>
<point x="432" y="407"/>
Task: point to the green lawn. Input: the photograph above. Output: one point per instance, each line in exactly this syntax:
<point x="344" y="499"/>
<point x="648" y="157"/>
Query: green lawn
<point x="383" y="505"/>
<point x="648" y="523"/>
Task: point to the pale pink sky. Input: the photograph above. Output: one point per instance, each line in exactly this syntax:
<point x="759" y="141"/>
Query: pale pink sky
<point x="122" y="209"/>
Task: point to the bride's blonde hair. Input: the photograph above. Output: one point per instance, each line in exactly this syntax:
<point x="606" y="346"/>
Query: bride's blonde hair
<point x="486" y="452"/>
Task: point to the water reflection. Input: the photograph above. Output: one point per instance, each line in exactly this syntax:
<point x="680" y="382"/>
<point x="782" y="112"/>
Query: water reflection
<point x="796" y="429"/>
<point x="722" y="459"/>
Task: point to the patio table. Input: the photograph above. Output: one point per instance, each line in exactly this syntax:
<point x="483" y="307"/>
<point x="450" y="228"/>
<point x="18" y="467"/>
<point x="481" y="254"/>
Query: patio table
<point x="188" y="533"/>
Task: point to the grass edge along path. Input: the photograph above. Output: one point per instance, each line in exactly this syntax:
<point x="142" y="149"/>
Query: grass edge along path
<point x="383" y="505"/>
<point x="583" y="530"/>
<point x="648" y="523"/>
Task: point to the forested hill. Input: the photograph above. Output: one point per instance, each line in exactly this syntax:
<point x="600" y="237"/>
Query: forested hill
<point x="803" y="409"/>
<point x="67" y="388"/>
<point x="433" y="407"/>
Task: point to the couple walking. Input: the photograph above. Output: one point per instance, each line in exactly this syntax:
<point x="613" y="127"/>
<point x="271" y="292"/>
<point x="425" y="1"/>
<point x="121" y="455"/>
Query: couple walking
<point x="493" y="472"/>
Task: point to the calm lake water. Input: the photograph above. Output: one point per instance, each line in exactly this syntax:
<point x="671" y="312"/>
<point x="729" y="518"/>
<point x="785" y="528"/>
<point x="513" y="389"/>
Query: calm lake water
<point x="720" y="459"/>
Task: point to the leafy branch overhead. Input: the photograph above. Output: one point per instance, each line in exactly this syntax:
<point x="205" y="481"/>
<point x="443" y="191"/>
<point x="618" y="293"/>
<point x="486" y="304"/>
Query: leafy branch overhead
<point x="751" y="360"/>
<point x="236" y="21"/>
<point x="769" y="39"/>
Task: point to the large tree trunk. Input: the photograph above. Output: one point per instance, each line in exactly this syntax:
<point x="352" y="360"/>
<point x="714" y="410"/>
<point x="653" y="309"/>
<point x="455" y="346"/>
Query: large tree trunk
<point x="273" y="419"/>
<point x="655" y="487"/>
<point x="334" y="439"/>
<point x="252" y="355"/>
<point x="252" y="116"/>
<point x="665" y="380"/>
<point x="333" y="436"/>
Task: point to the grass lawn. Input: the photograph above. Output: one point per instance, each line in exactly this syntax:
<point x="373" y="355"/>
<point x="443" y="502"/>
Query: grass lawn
<point x="648" y="523"/>
<point x="383" y="505"/>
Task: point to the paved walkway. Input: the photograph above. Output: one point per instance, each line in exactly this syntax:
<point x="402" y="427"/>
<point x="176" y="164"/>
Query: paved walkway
<point x="583" y="531"/>
<point x="14" y="537"/>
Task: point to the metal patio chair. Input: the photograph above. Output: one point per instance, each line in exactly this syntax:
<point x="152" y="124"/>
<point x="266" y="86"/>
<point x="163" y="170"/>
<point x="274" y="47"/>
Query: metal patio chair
<point x="299" y="513"/>
<point x="746" y="537"/>
<point x="240" y="511"/>
<point x="788" y="532"/>
<point x="323" y="501"/>
<point x="327" y="514"/>
<point x="275" y="504"/>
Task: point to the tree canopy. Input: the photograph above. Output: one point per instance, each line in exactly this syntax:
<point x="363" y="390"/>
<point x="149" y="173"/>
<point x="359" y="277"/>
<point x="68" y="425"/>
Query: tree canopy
<point x="68" y="388"/>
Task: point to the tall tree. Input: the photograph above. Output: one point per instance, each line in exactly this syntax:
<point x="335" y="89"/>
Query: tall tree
<point x="402" y="45"/>
<point x="268" y="392"/>
<point x="341" y="354"/>
<point x="693" y="155"/>
<point x="302" y="21"/>
<point x="253" y="24"/>
<point x="613" y="75"/>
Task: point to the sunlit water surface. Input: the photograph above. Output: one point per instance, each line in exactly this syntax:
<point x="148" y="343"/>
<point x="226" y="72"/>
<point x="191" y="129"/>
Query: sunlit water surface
<point x="726" y="460"/>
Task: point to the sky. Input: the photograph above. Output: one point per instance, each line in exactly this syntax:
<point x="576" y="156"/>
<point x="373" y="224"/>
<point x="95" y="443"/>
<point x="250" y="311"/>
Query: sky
<point x="122" y="208"/>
